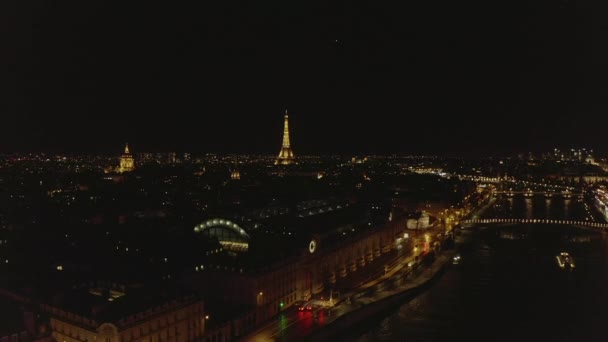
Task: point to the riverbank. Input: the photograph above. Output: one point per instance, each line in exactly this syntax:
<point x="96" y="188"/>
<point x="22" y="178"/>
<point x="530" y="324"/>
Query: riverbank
<point x="386" y="295"/>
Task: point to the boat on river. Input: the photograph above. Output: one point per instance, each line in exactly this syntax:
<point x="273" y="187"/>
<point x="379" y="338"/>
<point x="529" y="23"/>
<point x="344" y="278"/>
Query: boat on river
<point x="565" y="261"/>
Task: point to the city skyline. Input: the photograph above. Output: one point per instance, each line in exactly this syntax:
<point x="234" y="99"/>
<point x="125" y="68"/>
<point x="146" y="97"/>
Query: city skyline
<point x="238" y="245"/>
<point x="534" y="152"/>
<point x="303" y="171"/>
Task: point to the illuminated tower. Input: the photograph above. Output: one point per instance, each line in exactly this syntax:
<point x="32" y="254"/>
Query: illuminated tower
<point x="127" y="163"/>
<point x="286" y="156"/>
<point x="235" y="174"/>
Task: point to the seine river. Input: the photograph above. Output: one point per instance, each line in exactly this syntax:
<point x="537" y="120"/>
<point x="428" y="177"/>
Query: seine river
<point x="508" y="285"/>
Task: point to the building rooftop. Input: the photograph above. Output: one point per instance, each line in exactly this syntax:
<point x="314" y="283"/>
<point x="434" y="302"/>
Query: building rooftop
<point x="279" y="237"/>
<point x="93" y="305"/>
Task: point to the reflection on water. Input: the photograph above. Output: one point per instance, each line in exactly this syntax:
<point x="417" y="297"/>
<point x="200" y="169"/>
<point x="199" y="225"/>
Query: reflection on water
<point x="509" y="290"/>
<point x="536" y="207"/>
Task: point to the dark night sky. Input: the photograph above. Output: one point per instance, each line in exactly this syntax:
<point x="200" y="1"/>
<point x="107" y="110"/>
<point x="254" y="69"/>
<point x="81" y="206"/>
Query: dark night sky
<point x="456" y="77"/>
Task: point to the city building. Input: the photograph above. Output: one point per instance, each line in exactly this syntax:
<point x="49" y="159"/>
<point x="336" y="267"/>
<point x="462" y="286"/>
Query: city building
<point x="127" y="162"/>
<point x="291" y="257"/>
<point x="260" y="245"/>
<point x="580" y="155"/>
<point x="286" y="155"/>
<point x="418" y="221"/>
<point x="112" y="314"/>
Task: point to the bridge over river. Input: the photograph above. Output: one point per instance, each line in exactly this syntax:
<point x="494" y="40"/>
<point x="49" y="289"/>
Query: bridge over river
<point x="530" y="193"/>
<point x="468" y="223"/>
<point x="538" y="207"/>
<point x="482" y="296"/>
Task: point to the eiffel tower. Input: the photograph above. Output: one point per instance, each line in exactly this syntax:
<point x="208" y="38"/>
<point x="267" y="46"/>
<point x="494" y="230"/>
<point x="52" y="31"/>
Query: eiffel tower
<point x="286" y="156"/>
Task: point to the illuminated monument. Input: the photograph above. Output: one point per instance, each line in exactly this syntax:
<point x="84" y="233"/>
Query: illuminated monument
<point x="286" y="156"/>
<point x="127" y="163"/>
<point x="235" y="174"/>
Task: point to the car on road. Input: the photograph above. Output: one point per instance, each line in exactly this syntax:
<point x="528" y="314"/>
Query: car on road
<point x="305" y="307"/>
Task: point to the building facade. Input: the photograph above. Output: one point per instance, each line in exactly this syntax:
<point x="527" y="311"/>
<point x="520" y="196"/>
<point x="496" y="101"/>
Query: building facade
<point x="127" y="162"/>
<point x="318" y="269"/>
<point x="178" y="320"/>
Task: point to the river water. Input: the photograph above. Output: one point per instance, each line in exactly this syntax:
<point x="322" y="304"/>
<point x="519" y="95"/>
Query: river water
<point x="509" y="287"/>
